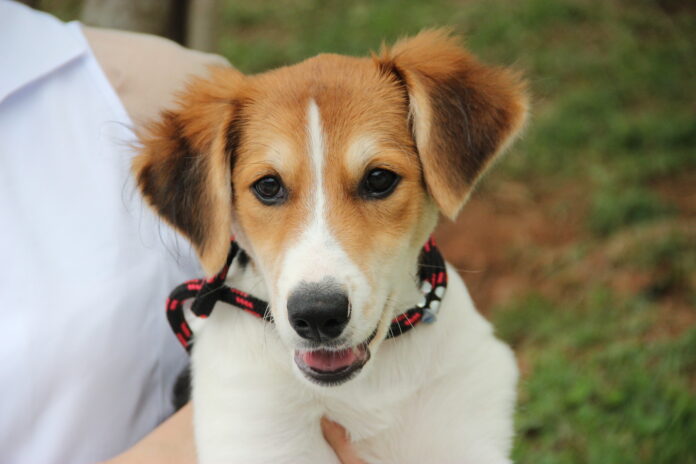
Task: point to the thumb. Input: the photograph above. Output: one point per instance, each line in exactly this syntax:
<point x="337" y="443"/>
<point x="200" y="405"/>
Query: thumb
<point x="336" y="437"/>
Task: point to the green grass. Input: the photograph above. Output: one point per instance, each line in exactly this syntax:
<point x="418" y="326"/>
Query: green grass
<point x="614" y="208"/>
<point x="669" y="256"/>
<point x="601" y="391"/>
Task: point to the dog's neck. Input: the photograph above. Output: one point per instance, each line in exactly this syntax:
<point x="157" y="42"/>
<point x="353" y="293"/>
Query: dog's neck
<point x="245" y="275"/>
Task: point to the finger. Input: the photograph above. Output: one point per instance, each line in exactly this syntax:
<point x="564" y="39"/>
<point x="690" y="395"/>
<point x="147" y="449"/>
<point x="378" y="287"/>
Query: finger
<point x="337" y="438"/>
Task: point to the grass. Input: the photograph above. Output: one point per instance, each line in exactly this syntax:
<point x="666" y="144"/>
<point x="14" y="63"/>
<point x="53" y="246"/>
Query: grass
<point x="598" y="392"/>
<point x="615" y="208"/>
<point x="607" y="339"/>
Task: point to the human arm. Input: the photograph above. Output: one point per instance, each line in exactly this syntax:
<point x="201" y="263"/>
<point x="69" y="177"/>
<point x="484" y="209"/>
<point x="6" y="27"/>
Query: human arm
<point x="170" y="443"/>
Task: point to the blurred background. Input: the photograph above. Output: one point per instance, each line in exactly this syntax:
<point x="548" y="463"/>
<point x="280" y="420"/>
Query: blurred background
<point x="580" y="245"/>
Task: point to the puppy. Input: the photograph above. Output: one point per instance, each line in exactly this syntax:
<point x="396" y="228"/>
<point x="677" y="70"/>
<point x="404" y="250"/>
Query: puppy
<point x="330" y="174"/>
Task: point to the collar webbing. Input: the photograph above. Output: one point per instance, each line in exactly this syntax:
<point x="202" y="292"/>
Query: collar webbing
<point x="207" y="292"/>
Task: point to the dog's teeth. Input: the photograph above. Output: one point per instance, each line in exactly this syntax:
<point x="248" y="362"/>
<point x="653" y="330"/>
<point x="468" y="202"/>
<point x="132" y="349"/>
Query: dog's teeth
<point x="426" y="287"/>
<point x="440" y="291"/>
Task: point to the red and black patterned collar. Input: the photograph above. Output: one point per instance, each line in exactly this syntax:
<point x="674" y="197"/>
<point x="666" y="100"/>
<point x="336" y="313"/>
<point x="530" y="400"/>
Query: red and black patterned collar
<point x="207" y="292"/>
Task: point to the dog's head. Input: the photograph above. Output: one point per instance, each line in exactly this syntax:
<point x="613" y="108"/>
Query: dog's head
<point x="330" y="173"/>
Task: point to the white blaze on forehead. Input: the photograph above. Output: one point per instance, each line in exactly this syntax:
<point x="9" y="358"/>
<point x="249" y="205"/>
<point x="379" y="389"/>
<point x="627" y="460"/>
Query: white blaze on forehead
<point x="316" y="254"/>
<point x="316" y="151"/>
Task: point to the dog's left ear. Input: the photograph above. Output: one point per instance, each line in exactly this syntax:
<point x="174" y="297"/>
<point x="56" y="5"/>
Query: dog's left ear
<point x="462" y="113"/>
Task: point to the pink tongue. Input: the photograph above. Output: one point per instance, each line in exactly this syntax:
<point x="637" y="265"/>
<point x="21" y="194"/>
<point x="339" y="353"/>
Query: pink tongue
<point x="327" y="361"/>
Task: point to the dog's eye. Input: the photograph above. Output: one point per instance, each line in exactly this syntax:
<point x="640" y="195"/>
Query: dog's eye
<point x="379" y="183"/>
<point x="269" y="190"/>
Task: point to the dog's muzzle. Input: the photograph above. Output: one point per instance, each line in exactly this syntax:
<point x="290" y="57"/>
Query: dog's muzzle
<point x="319" y="313"/>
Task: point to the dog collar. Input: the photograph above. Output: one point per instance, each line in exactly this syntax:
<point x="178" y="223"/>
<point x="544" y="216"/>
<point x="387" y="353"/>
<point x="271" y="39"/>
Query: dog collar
<point x="207" y="292"/>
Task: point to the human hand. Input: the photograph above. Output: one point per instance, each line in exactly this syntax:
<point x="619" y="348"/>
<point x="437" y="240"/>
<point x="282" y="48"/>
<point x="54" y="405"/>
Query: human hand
<point x="337" y="439"/>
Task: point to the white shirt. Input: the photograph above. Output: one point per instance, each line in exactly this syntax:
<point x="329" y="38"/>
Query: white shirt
<point x="88" y="361"/>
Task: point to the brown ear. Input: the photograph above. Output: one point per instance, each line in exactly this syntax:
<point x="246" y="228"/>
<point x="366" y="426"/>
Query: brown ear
<point x="183" y="168"/>
<point x="462" y="113"/>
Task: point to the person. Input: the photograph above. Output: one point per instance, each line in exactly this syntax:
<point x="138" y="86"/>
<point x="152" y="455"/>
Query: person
<point x="89" y="361"/>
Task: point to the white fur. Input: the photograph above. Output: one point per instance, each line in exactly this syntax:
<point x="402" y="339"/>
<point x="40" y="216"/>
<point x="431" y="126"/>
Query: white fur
<point x="442" y="393"/>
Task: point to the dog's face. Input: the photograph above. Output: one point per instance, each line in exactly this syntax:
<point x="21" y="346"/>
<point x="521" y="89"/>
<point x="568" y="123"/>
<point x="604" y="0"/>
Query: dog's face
<point x="329" y="201"/>
<point x="330" y="173"/>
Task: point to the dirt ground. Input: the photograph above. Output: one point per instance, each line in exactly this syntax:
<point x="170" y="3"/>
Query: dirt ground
<point x="501" y="223"/>
<point x="514" y="239"/>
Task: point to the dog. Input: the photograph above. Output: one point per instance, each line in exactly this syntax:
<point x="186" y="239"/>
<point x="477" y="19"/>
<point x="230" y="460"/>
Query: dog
<point x="331" y="175"/>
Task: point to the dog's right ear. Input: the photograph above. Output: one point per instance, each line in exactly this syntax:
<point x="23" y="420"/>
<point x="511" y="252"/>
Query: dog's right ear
<point x="183" y="168"/>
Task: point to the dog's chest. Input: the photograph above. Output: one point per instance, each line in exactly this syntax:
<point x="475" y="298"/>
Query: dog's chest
<point x="369" y="412"/>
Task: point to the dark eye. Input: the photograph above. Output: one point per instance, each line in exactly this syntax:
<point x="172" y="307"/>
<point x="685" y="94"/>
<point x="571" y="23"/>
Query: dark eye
<point x="269" y="190"/>
<point x="379" y="183"/>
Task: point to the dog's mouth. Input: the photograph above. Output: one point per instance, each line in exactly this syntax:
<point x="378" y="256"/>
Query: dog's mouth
<point x="332" y="366"/>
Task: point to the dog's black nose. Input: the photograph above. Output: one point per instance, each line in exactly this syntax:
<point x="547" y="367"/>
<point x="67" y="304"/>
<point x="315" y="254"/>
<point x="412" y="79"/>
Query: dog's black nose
<point x="318" y="311"/>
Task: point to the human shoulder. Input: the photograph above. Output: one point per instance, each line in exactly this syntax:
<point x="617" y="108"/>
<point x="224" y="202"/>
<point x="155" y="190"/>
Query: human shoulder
<point x="147" y="71"/>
